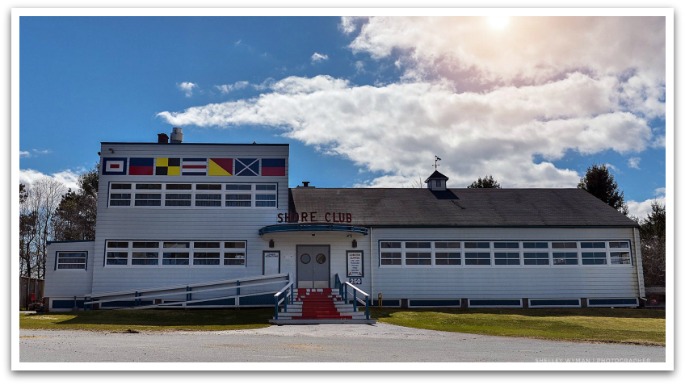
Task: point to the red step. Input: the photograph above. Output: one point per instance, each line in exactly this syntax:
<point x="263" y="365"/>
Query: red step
<point x="318" y="304"/>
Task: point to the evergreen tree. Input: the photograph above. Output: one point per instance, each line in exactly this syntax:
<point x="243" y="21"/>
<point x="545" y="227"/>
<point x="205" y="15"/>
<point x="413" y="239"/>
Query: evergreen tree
<point x="75" y="216"/>
<point x="599" y="182"/>
<point x="487" y="182"/>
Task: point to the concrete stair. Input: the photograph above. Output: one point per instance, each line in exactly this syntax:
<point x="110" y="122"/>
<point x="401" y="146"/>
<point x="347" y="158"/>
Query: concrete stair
<point x="316" y="306"/>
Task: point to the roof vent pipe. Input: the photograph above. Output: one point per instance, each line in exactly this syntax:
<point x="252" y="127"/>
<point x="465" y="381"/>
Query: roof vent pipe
<point x="177" y="135"/>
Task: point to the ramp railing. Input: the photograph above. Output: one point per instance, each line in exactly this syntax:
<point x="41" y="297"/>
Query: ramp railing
<point x="193" y="294"/>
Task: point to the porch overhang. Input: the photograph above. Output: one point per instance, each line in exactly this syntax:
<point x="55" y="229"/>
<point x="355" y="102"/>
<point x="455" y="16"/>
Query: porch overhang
<point x="309" y="227"/>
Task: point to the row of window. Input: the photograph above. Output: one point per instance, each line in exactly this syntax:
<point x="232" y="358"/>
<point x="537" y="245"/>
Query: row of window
<point x="175" y="253"/>
<point x="485" y="253"/>
<point x="193" y="195"/>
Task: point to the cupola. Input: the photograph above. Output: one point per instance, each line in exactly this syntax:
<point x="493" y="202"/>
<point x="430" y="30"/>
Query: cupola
<point x="437" y="181"/>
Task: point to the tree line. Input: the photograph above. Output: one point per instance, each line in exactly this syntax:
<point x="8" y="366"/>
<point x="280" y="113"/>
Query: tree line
<point x="49" y="212"/>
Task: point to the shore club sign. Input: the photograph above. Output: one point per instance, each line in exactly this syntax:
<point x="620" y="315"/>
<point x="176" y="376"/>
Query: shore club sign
<point x="315" y="217"/>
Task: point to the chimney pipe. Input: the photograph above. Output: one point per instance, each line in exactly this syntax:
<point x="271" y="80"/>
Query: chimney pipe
<point x="162" y="138"/>
<point x="177" y="135"/>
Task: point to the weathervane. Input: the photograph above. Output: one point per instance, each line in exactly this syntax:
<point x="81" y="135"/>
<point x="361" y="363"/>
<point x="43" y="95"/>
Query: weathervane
<point x="436" y="163"/>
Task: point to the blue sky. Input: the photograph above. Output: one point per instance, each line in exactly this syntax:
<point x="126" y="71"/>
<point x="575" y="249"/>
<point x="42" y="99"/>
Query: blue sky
<point x="361" y="101"/>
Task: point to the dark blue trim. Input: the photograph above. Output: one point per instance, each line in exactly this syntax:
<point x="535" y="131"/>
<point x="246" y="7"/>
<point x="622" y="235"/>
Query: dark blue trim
<point x="555" y="302"/>
<point x="434" y="302"/>
<point x="292" y="227"/>
<point x="495" y="302"/>
<point x="612" y="301"/>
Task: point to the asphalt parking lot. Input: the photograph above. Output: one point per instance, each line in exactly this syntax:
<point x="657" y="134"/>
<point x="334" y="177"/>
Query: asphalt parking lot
<point x="317" y="343"/>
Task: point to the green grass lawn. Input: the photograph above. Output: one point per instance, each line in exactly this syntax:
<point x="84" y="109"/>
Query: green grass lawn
<point x="150" y="320"/>
<point x="637" y="326"/>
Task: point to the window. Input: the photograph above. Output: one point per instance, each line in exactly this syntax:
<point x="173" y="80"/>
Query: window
<point x="450" y="258"/>
<point x="506" y="245"/>
<point x="507" y="258"/>
<point x="175" y="253"/>
<point x="620" y="258"/>
<point x="120" y="194"/>
<point x="117" y="257"/>
<point x="265" y="200"/>
<point x="206" y="195"/>
<point x="238" y="200"/>
<point x="594" y="258"/>
<point x="565" y="258"/>
<point x="535" y="245"/>
<point x="206" y="253"/>
<point x="234" y="259"/>
<point x="234" y="253"/>
<point x="72" y="260"/>
<point x="592" y="245"/>
<point x="447" y="245"/>
<point x="208" y="200"/>
<point x="145" y="258"/>
<point x="564" y="245"/>
<point x="535" y="258"/>
<point x="477" y="258"/>
<point x="502" y="254"/>
<point x="145" y="253"/>
<point x="145" y="198"/>
<point x="175" y="258"/>
<point x="477" y="245"/>
<point x="391" y="258"/>
<point x="421" y="258"/>
<point x="117" y="253"/>
<point x="206" y="258"/>
<point x="177" y="200"/>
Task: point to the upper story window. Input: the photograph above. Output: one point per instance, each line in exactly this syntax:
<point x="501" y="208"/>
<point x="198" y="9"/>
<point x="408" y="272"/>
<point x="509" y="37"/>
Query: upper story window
<point x="201" y="195"/>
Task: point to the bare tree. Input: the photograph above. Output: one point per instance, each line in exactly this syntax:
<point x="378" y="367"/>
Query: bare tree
<point x="38" y="203"/>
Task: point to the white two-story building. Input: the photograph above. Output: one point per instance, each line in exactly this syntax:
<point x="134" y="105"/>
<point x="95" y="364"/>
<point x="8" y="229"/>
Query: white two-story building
<point x="173" y="214"/>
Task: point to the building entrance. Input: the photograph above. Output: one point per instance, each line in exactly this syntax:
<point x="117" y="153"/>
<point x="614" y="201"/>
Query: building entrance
<point x="313" y="266"/>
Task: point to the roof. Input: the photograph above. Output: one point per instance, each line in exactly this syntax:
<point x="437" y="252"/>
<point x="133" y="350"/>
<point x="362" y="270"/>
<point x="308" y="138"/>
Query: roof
<point x="437" y="175"/>
<point x="483" y="207"/>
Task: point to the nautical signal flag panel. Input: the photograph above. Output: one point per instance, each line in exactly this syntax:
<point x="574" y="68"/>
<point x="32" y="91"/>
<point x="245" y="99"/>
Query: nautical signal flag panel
<point x="194" y="166"/>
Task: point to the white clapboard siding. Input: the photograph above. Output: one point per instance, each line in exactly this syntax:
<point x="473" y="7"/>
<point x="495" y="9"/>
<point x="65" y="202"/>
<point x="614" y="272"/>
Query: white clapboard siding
<point x="186" y="223"/>
<point x="68" y="282"/>
<point x="504" y="281"/>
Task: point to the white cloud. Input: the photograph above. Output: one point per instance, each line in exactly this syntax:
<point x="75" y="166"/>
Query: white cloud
<point x="33" y="152"/>
<point x="634" y="162"/>
<point x="228" y="88"/>
<point x="318" y="57"/>
<point x="68" y="178"/>
<point x="642" y="209"/>
<point x="187" y="88"/>
<point x="397" y="128"/>
<point x="532" y="50"/>
<point x="486" y="103"/>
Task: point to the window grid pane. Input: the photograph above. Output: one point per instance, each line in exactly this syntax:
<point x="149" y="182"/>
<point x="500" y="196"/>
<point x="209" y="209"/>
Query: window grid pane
<point x="535" y="259"/>
<point x="477" y="258"/>
<point x="71" y="260"/>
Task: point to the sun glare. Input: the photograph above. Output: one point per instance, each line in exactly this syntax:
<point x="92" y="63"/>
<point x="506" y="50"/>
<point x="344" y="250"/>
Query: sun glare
<point x="498" y="22"/>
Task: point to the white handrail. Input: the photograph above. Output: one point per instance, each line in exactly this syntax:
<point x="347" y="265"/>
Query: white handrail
<point x="200" y="287"/>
